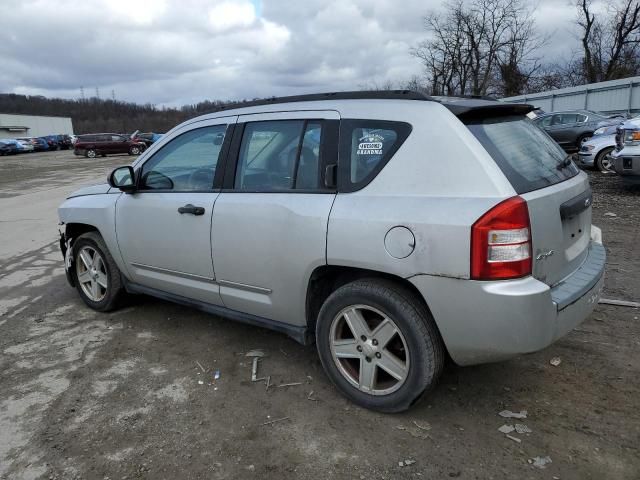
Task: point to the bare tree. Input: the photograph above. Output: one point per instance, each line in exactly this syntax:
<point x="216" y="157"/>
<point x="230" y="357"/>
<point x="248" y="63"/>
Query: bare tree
<point x="610" y="41"/>
<point x="479" y="47"/>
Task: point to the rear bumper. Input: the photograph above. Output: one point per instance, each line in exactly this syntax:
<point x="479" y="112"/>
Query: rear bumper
<point x="484" y="322"/>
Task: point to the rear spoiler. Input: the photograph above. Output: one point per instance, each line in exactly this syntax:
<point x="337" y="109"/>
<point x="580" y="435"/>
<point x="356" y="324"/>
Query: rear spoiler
<point x="474" y="109"/>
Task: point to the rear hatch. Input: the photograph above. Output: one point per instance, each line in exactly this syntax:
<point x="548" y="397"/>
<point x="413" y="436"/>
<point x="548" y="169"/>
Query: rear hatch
<point x="558" y="195"/>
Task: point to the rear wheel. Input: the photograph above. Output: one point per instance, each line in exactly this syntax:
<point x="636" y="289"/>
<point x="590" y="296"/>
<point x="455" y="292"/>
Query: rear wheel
<point x="379" y="344"/>
<point x="91" y="153"/>
<point x="603" y="160"/>
<point x="96" y="275"/>
<point x="134" y="150"/>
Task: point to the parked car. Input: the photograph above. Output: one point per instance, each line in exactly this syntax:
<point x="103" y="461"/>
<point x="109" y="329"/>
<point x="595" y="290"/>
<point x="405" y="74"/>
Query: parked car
<point x="64" y="142"/>
<point x="106" y="144"/>
<point x="27" y="146"/>
<point x="52" y="141"/>
<point x="571" y="129"/>
<point x="147" y="138"/>
<point x="358" y="241"/>
<point x="21" y="147"/>
<point x="626" y="156"/>
<point x="596" y="151"/>
<point x="7" y="148"/>
<point x="39" y="144"/>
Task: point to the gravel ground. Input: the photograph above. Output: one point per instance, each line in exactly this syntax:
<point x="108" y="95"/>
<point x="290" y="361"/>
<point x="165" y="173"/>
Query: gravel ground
<point x="121" y="395"/>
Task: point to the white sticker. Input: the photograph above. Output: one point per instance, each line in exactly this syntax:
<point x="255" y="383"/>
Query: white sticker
<point x="370" y="144"/>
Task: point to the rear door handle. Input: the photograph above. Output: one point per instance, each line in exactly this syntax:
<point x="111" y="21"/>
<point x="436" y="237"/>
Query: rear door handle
<point x="192" y="209"/>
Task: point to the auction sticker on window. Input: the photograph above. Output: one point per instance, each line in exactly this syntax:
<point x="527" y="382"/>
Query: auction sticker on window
<point x="370" y="144"/>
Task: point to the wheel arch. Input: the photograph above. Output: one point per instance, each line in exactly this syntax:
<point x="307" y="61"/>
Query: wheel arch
<point x="325" y="279"/>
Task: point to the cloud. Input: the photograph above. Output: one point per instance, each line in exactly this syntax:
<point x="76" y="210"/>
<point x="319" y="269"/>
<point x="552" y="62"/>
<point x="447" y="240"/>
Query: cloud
<point x="228" y="15"/>
<point x="172" y="52"/>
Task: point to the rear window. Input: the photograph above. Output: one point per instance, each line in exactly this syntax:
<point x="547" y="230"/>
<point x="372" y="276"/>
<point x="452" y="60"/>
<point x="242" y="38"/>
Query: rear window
<point x="527" y="156"/>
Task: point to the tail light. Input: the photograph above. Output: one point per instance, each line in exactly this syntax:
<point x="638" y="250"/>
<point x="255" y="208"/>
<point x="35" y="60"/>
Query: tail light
<point x="501" y="242"/>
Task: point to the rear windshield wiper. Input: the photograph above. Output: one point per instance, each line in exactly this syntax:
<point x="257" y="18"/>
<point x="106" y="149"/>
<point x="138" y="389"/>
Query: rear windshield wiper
<point x="564" y="163"/>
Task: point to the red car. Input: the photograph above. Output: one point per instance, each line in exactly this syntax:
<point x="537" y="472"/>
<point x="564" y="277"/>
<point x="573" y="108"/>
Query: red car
<point x="106" y="144"/>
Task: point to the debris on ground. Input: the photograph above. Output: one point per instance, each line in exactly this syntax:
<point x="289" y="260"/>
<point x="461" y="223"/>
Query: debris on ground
<point x="271" y="422"/>
<point x="540" y="462"/>
<point x="200" y="382"/>
<point x="256" y="355"/>
<point x="289" y="384"/>
<point x="216" y="375"/>
<point x="506" y="429"/>
<point x="406" y="463"/>
<point x="201" y="367"/>
<point x="555" y="361"/>
<point x="515" y="439"/>
<point x="425" y="427"/>
<point x="310" y="397"/>
<point x="510" y="414"/>
<point x="416" y="431"/>
<point x="610" y="214"/>
<point x="522" y="428"/>
<point x="619" y="303"/>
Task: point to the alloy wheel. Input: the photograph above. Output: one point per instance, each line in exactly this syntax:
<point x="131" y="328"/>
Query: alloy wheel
<point x="607" y="163"/>
<point x="91" y="273"/>
<point x="369" y="350"/>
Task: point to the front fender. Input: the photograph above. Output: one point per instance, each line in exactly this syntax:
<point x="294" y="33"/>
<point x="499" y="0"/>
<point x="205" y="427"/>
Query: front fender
<point x="97" y="211"/>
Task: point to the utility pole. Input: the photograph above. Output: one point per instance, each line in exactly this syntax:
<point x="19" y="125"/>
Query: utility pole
<point x="82" y="93"/>
<point x="113" y="95"/>
<point x="97" y="93"/>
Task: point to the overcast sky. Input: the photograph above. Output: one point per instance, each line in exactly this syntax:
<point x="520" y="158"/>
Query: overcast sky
<point x="173" y="52"/>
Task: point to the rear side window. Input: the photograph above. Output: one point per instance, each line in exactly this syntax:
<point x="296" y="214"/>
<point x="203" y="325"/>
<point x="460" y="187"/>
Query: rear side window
<point x="365" y="148"/>
<point x="280" y="155"/>
<point x="528" y="157"/>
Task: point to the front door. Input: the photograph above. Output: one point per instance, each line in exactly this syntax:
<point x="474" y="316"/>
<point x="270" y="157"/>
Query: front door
<point x="164" y="229"/>
<point x="270" y="222"/>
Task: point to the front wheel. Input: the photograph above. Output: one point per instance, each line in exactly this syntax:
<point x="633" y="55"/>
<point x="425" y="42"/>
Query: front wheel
<point x="96" y="275"/>
<point x="603" y="160"/>
<point x="91" y="153"/>
<point x="134" y="151"/>
<point x="379" y="344"/>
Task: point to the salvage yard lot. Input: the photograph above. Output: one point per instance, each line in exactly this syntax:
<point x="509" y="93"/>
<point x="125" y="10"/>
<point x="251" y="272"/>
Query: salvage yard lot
<point x="121" y="395"/>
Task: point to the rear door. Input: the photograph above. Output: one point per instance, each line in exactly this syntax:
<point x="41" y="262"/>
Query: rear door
<point x="270" y="221"/>
<point x="556" y="191"/>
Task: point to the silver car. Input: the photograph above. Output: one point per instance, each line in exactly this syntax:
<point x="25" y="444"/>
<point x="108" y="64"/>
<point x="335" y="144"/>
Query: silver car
<point x="323" y="217"/>
<point x="596" y="151"/>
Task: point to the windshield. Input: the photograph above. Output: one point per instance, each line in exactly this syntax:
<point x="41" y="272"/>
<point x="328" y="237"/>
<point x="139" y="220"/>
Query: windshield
<point x="527" y="156"/>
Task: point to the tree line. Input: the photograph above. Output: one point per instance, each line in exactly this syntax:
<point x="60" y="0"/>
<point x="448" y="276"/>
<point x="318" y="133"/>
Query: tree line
<point x="494" y="47"/>
<point x="99" y="115"/>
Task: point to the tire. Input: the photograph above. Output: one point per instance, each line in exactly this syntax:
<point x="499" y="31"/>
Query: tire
<point x="417" y="346"/>
<point x="91" y="153"/>
<point x="135" y="150"/>
<point x="109" y="291"/>
<point x="602" y="163"/>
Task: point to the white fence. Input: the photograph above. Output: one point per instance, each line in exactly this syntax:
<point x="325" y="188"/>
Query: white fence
<point x="615" y="96"/>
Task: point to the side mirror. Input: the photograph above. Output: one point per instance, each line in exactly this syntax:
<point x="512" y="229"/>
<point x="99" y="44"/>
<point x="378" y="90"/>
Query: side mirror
<point x="123" y="178"/>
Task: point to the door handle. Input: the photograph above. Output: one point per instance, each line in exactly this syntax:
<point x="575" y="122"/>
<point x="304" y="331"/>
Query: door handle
<point x="192" y="209"/>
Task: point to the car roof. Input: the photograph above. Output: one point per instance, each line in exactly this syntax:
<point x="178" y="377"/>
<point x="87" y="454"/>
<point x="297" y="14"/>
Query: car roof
<point x="460" y="106"/>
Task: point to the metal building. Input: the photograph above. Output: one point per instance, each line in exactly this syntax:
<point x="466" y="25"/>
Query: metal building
<point x="614" y="96"/>
<point x="16" y="126"/>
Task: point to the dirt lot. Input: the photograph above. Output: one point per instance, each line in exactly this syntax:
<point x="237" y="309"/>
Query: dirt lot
<point x="120" y="395"/>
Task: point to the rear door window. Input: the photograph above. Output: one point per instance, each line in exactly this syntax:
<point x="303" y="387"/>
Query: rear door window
<point x="365" y="148"/>
<point x="280" y="155"/>
<point x="527" y="156"/>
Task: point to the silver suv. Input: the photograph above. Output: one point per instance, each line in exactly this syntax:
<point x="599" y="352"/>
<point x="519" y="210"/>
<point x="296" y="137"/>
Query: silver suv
<point x="392" y="228"/>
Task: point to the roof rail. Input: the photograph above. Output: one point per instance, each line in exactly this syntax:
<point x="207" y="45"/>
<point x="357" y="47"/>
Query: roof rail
<point x="353" y="95"/>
